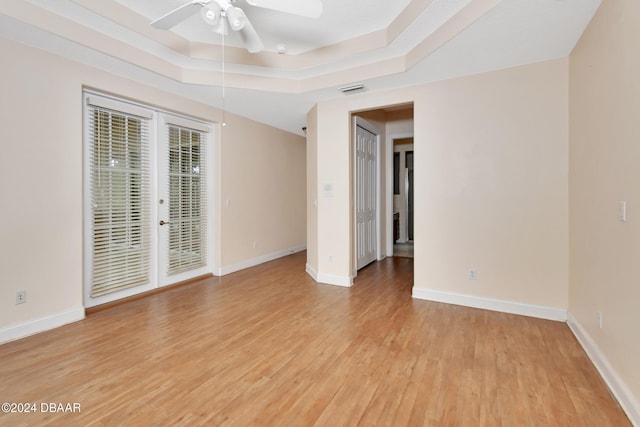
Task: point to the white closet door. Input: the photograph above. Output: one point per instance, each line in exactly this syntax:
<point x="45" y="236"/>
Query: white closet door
<point x="366" y="196"/>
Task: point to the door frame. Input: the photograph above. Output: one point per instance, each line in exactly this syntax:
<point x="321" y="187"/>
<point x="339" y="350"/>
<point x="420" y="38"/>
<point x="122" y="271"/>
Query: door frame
<point x="389" y="174"/>
<point x="213" y="191"/>
<point x="359" y="121"/>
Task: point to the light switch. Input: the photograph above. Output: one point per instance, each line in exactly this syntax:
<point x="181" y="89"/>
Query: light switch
<point x="328" y="190"/>
<point x="623" y="211"/>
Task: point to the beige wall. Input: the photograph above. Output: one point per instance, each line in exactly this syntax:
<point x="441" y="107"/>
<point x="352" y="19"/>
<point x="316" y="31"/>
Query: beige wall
<point x="491" y="157"/>
<point x="604" y="170"/>
<point x="491" y="190"/>
<point x="334" y="164"/>
<point x="312" y="191"/>
<point x="333" y="211"/>
<point x="264" y="180"/>
<point x="41" y="178"/>
<point x="262" y="172"/>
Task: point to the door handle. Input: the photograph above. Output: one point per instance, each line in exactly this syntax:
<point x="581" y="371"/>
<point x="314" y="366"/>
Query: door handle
<point x="163" y="222"/>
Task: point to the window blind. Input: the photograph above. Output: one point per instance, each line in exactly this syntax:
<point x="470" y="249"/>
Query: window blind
<point x="119" y="164"/>
<point x="187" y="198"/>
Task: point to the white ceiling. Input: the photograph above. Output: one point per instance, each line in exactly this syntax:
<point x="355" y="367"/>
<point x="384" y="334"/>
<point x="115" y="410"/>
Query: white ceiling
<point x="383" y="44"/>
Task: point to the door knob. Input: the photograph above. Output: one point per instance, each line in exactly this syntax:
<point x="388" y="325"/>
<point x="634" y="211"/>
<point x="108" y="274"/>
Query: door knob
<point x="164" y="222"/>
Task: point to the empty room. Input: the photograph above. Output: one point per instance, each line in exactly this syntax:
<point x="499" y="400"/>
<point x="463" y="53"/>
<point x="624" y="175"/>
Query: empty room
<point x="320" y="213"/>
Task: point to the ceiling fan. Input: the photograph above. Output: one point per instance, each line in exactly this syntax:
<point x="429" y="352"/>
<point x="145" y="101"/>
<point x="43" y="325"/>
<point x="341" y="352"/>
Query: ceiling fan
<point x="221" y="14"/>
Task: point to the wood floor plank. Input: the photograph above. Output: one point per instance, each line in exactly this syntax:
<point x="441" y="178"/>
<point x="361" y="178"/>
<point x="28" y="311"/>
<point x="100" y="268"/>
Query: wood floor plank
<point x="268" y="346"/>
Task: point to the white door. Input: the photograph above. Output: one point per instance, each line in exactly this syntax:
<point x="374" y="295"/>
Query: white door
<point x="143" y="168"/>
<point x="366" y="196"/>
<point x="183" y="202"/>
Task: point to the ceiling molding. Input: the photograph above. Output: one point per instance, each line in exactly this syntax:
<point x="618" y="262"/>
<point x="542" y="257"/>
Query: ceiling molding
<point x="425" y="42"/>
<point x="455" y="25"/>
<point x="71" y="30"/>
<point x="379" y="39"/>
<point x="247" y="77"/>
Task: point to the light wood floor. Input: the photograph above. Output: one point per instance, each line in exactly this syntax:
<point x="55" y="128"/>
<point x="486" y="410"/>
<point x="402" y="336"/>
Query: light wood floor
<point x="269" y="347"/>
<point x="403" y="249"/>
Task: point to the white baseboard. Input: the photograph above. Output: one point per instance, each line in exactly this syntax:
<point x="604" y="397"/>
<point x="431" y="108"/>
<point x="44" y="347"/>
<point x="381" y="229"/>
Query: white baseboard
<point x="542" y="312"/>
<point x="42" y="324"/>
<point x="619" y="389"/>
<point x="329" y="279"/>
<point x="258" y="260"/>
<point x="311" y="272"/>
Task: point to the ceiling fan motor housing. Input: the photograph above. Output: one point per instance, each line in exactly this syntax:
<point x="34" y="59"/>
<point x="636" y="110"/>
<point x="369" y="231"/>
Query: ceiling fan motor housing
<point x="213" y="12"/>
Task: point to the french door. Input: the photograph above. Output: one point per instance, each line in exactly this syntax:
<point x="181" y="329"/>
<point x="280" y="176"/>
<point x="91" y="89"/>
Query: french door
<point x="147" y="204"/>
<point x="182" y="200"/>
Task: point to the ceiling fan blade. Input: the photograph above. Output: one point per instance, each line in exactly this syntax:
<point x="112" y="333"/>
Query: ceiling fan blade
<point x="250" y="37"/>
<point x="308" y="8"/>
<point x="178" y="15"/>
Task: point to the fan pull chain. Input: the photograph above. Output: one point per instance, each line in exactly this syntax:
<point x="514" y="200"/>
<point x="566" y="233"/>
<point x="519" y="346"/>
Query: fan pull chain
<point x="223" y="74"/>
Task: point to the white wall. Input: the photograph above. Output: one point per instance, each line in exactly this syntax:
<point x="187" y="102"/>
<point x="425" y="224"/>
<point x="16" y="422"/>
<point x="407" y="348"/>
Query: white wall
<point x="261" y="170"/>
<point x="491" y="190"/>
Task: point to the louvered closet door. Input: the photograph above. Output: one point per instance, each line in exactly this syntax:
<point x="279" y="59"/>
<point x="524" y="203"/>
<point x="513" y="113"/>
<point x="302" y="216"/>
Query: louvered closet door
<point x="183" y="203"/>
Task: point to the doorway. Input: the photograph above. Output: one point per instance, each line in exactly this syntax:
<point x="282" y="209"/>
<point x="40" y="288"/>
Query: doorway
<point x="409" y="193"/>
<point x="147" y="220"/>
<point x="403" y="196"/>
<point x="396" y="123"/>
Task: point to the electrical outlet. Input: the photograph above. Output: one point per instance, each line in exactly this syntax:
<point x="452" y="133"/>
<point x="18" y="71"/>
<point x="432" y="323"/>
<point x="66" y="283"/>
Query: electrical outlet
<point x="21" y="297"/>
<point x="600" y="319"/>
<point x="623" y="211"/>
<point x="473" y="274"/>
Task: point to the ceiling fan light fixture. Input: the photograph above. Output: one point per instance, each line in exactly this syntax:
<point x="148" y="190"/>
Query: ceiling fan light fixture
<point x="211" y="13"/>
<point x="236" y="18"/>
<point x="221" y="14"/>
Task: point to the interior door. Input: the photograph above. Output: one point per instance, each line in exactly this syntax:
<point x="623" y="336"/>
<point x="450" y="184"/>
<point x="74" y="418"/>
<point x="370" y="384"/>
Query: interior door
<point x="366" y="196"/>
<point x="183" y="201"/>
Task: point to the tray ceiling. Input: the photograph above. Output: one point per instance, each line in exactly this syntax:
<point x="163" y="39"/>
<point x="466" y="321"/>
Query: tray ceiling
<point x="379" y="43"/>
